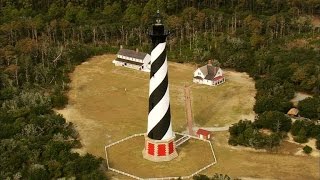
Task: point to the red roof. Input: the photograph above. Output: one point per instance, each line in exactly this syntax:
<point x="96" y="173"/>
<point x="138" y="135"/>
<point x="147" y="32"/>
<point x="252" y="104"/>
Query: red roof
<point x="218" y="78"/>
<point x="203" y="132"/>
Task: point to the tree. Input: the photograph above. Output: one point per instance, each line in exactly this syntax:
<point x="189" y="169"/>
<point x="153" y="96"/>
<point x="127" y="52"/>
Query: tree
<point x="274" y="120"/>
<point x="310" y="108"/>
<point x="296" y="126"/>
<point x="271" y="103"/>
<point x="150" y="10"/>
<point x="302" y="136"/>
<point x="318" y="142"/>
<point x="217" y="176"/>
<point x="307" y="149"/>
<point x="112" y="11"/>
<point x="132" y="16"/>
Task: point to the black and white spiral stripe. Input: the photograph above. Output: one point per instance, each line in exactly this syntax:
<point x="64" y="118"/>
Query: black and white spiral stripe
<point x="159" y="118"/>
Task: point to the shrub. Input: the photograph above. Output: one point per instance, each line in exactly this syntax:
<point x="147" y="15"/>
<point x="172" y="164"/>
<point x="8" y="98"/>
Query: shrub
<point x="296" y="126"/>
<point x="274" y="120"/>
<point x="309" y="107"/>
<point x="301" y="138"/>
<point x="59" y="100"/>
<point x="307" y="149"/>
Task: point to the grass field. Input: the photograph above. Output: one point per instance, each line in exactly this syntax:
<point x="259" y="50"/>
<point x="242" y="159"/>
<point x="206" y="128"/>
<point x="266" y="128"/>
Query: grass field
<point x="224" y="104"/>
<point x="190" y="159"/>
<point x="243" y="162"/>
<point x="103" y="112"/>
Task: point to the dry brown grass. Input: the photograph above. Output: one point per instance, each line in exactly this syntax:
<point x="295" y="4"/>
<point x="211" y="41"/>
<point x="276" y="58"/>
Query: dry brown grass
<point x="224" y="104"/>
<point x="103" y="113"/>
<point x="127" y="157"/>
<point x="242" y="162"/>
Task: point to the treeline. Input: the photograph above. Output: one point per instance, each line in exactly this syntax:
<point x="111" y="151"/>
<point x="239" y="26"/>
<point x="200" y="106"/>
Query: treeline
<point x="35" y="142"/>
<point x="251" y="134"/>
<point x="269" y="129"/>
<point x="42" y="41"/>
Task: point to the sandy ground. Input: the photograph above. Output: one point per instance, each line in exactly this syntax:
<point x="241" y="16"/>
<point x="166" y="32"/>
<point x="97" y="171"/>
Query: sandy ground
<point x="311" y="143"/>
<point x="103" y="112"/>
<point x="299" y="96"/>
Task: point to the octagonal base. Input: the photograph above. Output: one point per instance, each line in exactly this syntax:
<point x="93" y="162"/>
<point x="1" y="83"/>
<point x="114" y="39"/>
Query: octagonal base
<point x="159" y="150"/>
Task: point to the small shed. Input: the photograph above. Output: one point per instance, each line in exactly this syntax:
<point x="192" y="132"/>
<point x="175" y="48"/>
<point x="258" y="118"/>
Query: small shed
<point x="203" y="134"/>
<point x="293" y="112"/>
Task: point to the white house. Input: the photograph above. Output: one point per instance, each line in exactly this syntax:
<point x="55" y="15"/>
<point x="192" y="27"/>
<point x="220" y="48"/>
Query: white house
<point x="133" y="59"/>
<point x="209" y="75"/>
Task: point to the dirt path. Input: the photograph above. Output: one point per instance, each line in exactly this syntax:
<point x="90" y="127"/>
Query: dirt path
<point x="188" y="110"/>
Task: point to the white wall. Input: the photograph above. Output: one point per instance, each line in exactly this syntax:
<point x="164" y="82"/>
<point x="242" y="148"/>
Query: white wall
<point x="146" y="65"/>
<point x="219" y="73"/>
<point x="198" y="73"/>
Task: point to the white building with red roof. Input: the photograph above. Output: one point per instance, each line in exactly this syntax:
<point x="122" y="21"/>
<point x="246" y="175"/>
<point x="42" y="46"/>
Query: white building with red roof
<point x="209" y="75"/>
<point x="203" y="134"/>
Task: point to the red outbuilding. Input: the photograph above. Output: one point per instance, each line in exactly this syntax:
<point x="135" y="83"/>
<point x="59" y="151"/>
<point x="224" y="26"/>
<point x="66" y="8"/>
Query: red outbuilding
<point x="203" y="134"/>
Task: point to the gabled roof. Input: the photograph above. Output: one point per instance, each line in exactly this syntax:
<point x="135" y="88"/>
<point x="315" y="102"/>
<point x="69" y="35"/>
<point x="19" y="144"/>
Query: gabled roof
<point x="204" y="70"/>
<point x="203" y="132"/>
<point x="132" y="53"/>
<point x="209" y="71"/>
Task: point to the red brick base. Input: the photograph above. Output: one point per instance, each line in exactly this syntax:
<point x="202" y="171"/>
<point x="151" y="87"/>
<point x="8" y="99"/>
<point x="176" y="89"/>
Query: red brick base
<point x="159" y="150"/>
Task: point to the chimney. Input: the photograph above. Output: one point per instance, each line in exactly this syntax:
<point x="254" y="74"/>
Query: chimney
<point x="121" y="47"/>
<point x="137" y="49"/>
<point x="210" y="62"/>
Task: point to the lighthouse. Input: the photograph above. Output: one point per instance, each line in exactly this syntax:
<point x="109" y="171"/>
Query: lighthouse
<point x="159" y="139"/>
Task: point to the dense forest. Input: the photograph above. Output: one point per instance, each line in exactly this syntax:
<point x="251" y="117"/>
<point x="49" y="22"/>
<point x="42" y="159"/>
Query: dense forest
<point x="276" y="41"/>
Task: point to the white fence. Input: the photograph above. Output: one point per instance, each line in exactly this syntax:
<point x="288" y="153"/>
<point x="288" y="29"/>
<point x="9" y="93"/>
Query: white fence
<point x="183" y="139"/>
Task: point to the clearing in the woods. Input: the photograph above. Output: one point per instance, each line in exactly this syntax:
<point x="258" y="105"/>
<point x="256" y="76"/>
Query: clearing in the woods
<point x="108" y="103"/>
